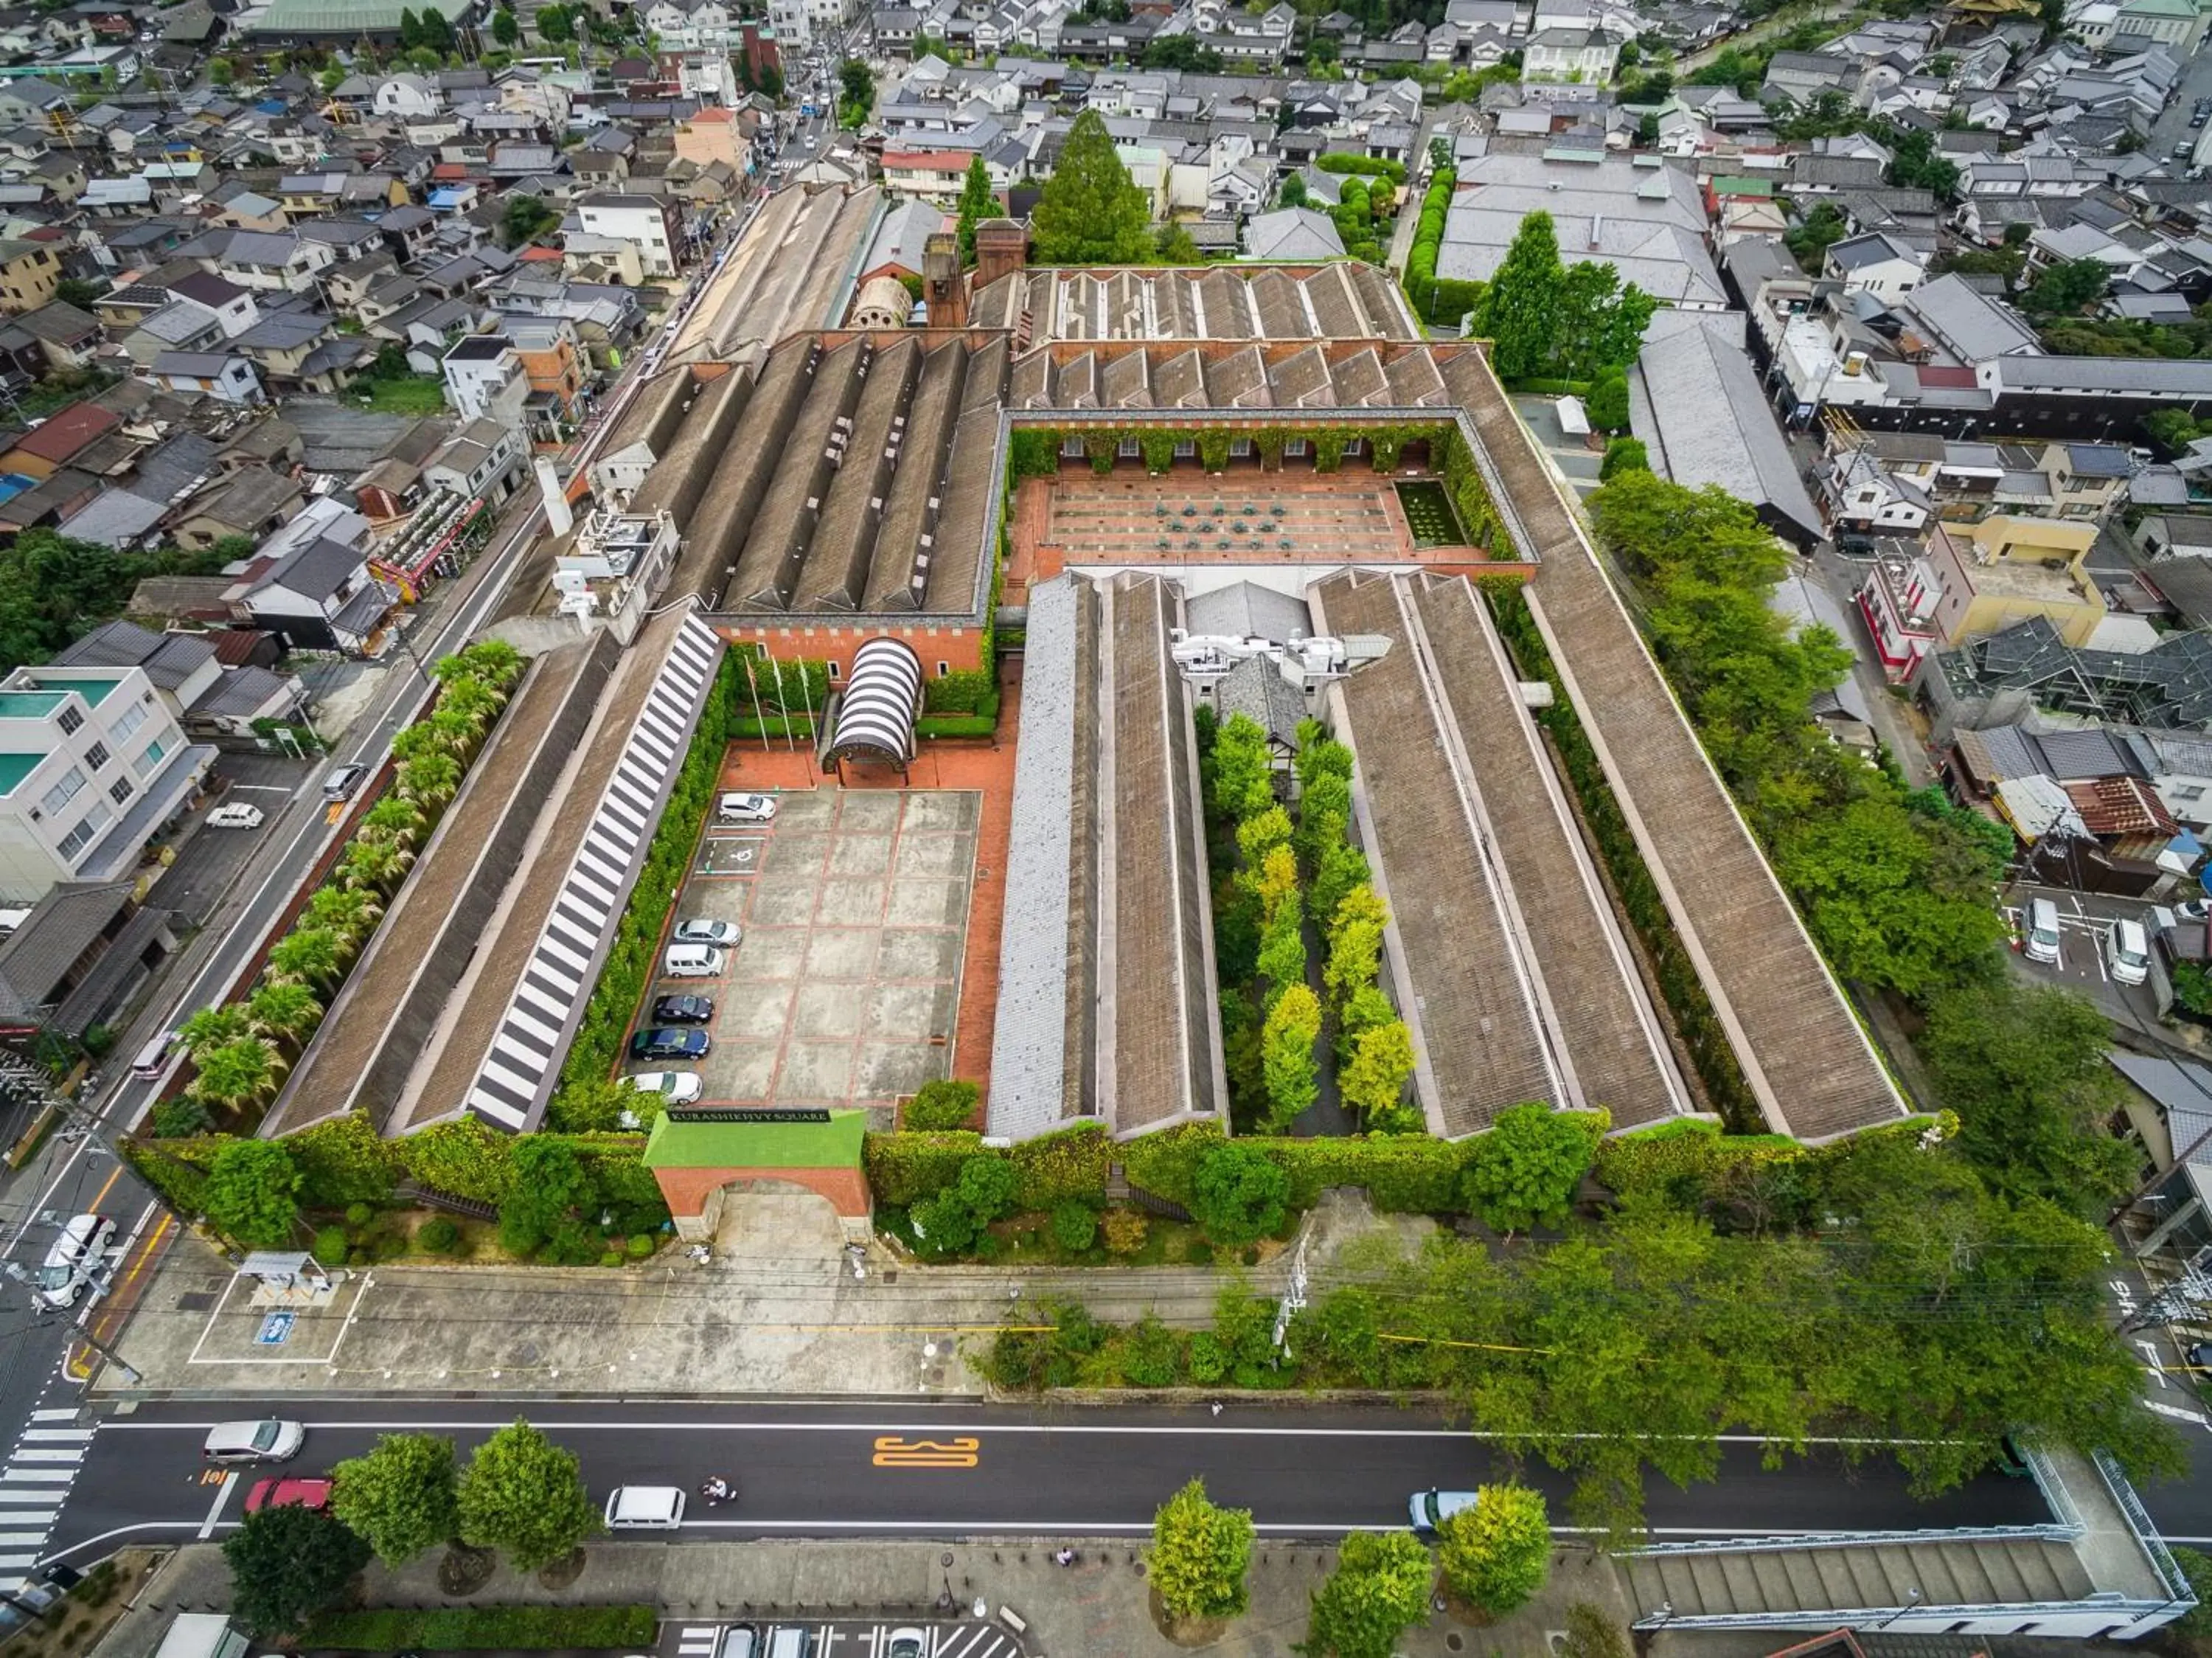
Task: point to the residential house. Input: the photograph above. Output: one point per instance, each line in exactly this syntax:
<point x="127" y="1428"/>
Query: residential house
<point x="483" y="459"/>
<point x="251" y="501"/>
<point x="321" y="597"/>
<point x="1585" y="55"/>
<point x="225" y="375"/>
<point x="1878" y="264"/>
<point x="555" y="366"/>
<point x="485" y="379"/>
<point x="68" y="336"/>
<point x="30" y="274"/>
<point x="648" y="223"/>
<point x="1300" y="234"/>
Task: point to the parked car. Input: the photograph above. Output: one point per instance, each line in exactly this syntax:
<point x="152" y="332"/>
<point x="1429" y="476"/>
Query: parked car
<point x="72" y="1260"/>
<point x="2199" y="1354"/>
<point x="2127" y="951"/>
<point x="344" y="782"/>
<point x="1854" y="546"/>
<point x="907" y="1643"/>
<point x="675" y="1087"/>
<point x="670" y="1044"/>
<point x="700" y="930"/>
<point x="1431" y="1508"/>
<point x="2193" y="909"/>
<point x="745" y="808"/>
<point x="288" y="1493"/>
<point x="266" y="1440"/>
<point x="2043" y="931"/>
<point x="237" y="815"/>
<point x="683" y="1010"/>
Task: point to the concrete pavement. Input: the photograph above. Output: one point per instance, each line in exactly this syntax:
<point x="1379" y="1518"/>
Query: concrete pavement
<point x="1100" y="1605"/>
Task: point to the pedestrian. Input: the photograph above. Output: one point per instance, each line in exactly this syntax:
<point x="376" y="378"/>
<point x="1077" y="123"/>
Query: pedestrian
<point x="1217" y="1407"/>
<point x="1065" y="1557"/>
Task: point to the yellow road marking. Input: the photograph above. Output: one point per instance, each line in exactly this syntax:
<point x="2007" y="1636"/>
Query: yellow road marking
<point x="892" y="1452"/>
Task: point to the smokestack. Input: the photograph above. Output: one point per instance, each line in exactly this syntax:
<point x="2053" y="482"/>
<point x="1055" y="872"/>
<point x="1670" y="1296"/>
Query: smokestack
<point x="557" y="498"/>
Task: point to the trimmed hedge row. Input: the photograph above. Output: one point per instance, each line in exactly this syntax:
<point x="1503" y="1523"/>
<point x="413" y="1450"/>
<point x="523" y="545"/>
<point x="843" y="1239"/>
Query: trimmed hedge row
<point x="458" y="1629"/>
<point x="344" y="1162"/>
<point x="1427" y="293"/>
<point x="1689" y="1155"/>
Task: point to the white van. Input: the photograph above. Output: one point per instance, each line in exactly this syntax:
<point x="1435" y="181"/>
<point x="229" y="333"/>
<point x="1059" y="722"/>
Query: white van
<point x="2127" y="953"/>
<point x="2043" y="931"/>
<point x="692" y="961"/>
<point x="786" y="1642"/>
<point x="70" y="1264"/>
<point x="645" y="1508"/>
<point x="153" y="1058"/>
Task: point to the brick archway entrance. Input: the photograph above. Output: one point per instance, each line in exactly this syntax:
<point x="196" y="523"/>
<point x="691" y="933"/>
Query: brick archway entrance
<point x="704" y="1158"/>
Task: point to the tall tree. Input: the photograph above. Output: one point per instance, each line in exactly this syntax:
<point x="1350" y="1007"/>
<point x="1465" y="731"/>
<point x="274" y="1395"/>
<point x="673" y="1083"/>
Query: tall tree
<point x="1520" y="310"/>
<point x="1379" y="1590"/>
<point x="252" y="1189"/>
<point x="287" y="1564"/>
<point x="1525" y="1170"/>
<point x="976" y="204"/>
<point x="505" y="28"/>
<point x="1090" y="212"/>
<point x="1199" y="1555"/>
<point x="1373" y="1082"/>
<point x="401" y="1497"/>
<point x="1496" y="1554"/>
<point x="1239" y="1194"/>
<point x="1287" y="1055"/>
<point x="523" y="1495"/>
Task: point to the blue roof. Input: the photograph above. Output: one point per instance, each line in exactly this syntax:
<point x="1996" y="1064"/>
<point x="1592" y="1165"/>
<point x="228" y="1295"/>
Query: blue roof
<point x="13" y="485"/>
<point x="270" y="107"/>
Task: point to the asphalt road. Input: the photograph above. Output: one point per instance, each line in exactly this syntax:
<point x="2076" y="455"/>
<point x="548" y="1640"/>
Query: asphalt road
<point x="843" y="1469"/>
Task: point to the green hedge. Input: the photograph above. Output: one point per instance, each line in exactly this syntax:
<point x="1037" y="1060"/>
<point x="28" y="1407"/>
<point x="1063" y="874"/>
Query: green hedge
<point x="457" y="1629"/>
<point x="1421" y="282"/>
<point x="967" y="691"/>
<point x="777" y="727"/>
<point x="1378" y="166"/>
<point x="955" y="725"/>
<point x="630" y="962"/>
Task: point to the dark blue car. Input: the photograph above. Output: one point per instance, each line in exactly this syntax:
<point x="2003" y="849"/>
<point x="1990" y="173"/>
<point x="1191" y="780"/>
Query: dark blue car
<point x="669" y="1044"/>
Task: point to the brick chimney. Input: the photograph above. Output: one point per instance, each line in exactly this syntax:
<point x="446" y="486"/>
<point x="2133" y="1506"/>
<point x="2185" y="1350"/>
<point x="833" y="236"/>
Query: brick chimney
<point x="1002" y="246"/>
<point x="942" y="289"/>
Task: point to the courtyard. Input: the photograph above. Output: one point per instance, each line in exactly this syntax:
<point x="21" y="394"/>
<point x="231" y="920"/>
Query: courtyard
<point x="845" y="986"/>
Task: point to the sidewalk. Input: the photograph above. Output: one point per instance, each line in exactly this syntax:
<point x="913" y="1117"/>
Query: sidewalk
<point x="802" y="1326"/>
<point x="1099" y="1605"/>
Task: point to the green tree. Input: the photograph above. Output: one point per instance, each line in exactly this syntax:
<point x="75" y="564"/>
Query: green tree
<point x="238" y="1074"/>
<point x="1525" y="1170"/>
<point x="287" y="1564"/>
<point x="1355" y="944"/>
<point x="309" y="956"/>
<point x="2067" y="288"/>
<point x="1184" y="51"/>
<point x="220" y="71"/>
<point x="977" y="203"/>
<point x="1601" y="323"/>
<point x="1379" y="1590"/>
<point x="524" y="219"/>
<point x="1622" y="454"/>
<point x="1199" y="1555"/>
<point x="504" y="27"/>
<point x="1608" y="403"/>
<point x="954" y="1221"/>
<point x="856" y="86"/>
<point x="1287" y="1041"/>
<point x="1175" y="247"/>
<point x="556" y="24"/>
<point x="285" y="1013"/>
<point x="1340" y="870"/>
<point x="2024" y="1067"/>
<point x="1496" y="1554"/>
<point x="214" y="1028"/>
<point x="400" y="1498"/>
<point x="1293" y="192"/>
<point x="1239" y="1194"/>
<point x="548" y="1186"/>
<point x="1374" y="1082"/>
<point x="1520" y="310"/>
<point x="2172" y="429"/>
<point x="523" y="1495"/>
<point x="252" y="1188"/>
<point x="410" y="30"/>
<point x="1090" y="212"/>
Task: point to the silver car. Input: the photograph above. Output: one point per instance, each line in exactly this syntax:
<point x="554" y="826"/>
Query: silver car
<point x="1429" y="1509"/>
<point x="700" y="930"/>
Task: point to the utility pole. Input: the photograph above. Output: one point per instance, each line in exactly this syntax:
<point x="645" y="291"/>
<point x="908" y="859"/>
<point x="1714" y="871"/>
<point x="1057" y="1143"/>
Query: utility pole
<point x="2186" y="1296"/>
<point x="1294" y="1297"/>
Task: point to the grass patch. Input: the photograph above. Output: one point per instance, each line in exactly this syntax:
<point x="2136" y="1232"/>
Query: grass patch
<point x="407" y="397"/>
<point x="1429" y="514"/>
<point x="455" y="1628"/>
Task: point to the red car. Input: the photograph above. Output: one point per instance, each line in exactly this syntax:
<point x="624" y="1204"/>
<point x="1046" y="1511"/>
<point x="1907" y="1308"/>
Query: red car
<point x="277" y="1493"/>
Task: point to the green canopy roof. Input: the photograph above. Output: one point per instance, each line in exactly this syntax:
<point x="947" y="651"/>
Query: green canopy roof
<point x="678" y="1143"/>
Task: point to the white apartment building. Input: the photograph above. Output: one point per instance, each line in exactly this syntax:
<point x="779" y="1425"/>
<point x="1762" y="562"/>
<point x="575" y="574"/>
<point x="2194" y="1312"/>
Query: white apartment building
<point x="647" y="222"/>
<point x="92" y="765"/>
<point x="485" y="379"/>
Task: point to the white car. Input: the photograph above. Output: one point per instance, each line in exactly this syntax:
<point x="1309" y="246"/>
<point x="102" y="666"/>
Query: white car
<point x="238" y="815"/>
<point x="1429" y="1509"/>
<point x="907" y="1643"/>
<point x="72" y="1260"/>
<point x="675" y="1087"/>
<point x="745" y="808"/>
<point x="700" y="930"/>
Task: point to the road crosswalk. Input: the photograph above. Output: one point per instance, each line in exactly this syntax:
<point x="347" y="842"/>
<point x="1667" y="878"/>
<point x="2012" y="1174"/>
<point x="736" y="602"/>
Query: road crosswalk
<point x="859" y="1638"/>
<point x="42" y="1466"/>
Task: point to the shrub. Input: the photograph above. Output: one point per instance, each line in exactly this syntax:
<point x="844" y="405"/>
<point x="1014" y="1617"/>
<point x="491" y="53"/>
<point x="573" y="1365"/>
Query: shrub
<point x="181" y="1119"/>
<point x="1239" y="1194"/>
<point x="358" y="1214"/>
<point x="1209" y="1359"/>
<point x="903" y="1169"/>
<point x="1126" y="1231"/>
<point x="641" y="1245"/>
<point x="612" y="1257"/>
<point x="330" y="1245"/>
<point x="939" y="1105"/>
<point x="1075" y="1226"/>
<point x="439" y="1236"/>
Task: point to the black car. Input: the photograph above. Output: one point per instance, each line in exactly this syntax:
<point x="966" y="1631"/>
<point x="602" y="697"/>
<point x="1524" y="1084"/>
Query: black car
<point x="682" y="1011"/>
<point x="669" y="1045"/>
<point x="1854" y="546"/>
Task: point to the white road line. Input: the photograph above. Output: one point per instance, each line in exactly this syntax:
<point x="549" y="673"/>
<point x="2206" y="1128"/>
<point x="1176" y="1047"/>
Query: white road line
<point x="11" y="1562"/>
<point x="32" y="1538"/>
<point x="37" y="1475"/>
<point x="215" y="1508"/>
<point x="968" y="1646"/>
<point x="54" y="1416"/>
<point x="63" y="1435"/>
<point x="35" y="1454"/>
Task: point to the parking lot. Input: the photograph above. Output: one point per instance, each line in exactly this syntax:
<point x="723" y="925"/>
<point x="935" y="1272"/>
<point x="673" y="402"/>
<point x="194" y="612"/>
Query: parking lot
<point x="2082" y="919"/>
<point x="845" y="987"/>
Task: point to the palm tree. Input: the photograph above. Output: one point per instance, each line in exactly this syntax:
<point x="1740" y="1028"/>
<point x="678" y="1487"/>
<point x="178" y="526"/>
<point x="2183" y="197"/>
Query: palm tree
<point x="431" y="779"/>
<point x="496" y="663"/>
<point x="455" y="730"/>
<point x="414" y="742"/>
<point x="309" y="956"/>
<point x="474" y="699"/>
<point x="210" y="1027"/>
<point x="239" y="1073"/>
<point x="349" y="912"/>
<point x="378" y="866"/>
<point x="394" y="818"/>
<point x="285" y="1013"/>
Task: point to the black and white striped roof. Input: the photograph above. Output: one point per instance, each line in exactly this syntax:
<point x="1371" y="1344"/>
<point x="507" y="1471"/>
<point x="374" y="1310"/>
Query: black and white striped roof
<point x="883" y="695"/>
<point x="519" y="1071"/>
